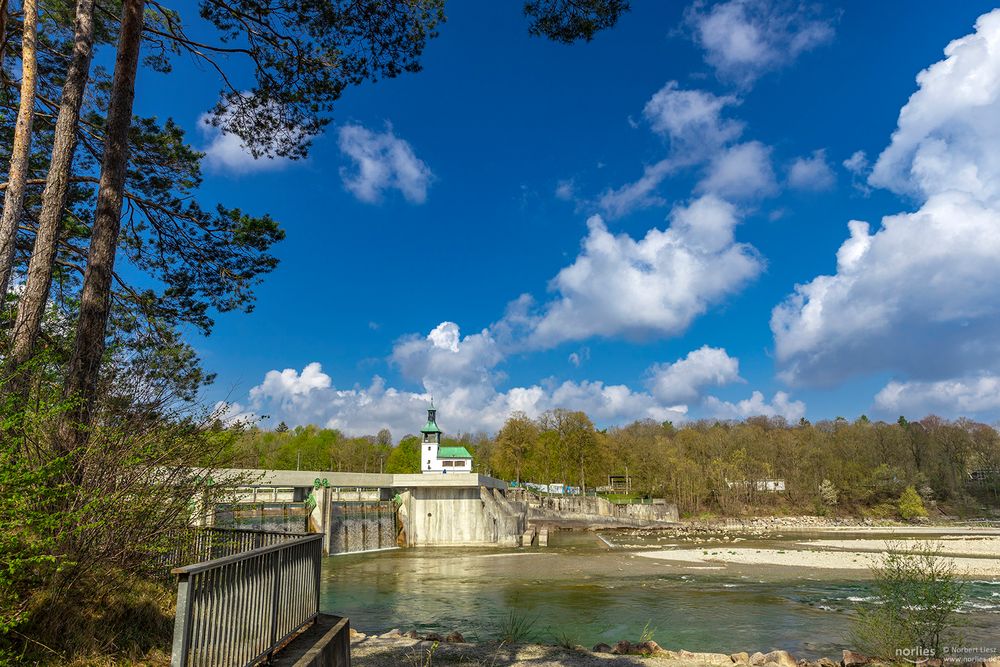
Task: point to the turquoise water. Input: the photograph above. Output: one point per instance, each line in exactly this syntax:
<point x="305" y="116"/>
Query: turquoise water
<point x="580" y="590"/>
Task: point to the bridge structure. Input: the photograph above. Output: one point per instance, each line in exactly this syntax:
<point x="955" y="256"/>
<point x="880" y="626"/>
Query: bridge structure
<point x="373" y="511"/>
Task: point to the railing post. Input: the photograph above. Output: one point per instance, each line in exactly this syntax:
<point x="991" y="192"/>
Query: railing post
<point x="182" y="623"/>
<point x="317" y="570"/>
<point x="279" y="561"/>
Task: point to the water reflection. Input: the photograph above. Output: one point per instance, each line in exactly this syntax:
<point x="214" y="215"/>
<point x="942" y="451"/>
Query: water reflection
<point x="581" y="590"/>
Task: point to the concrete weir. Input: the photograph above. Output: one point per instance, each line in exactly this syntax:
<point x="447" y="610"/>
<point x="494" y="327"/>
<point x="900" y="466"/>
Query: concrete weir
<point x="368" y="511"/>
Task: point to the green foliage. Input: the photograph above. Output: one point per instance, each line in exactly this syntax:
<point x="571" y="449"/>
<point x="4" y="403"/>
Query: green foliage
<point x="918" y="594"/>
<point x="309" y="448"/>
<point x="911" y="505"/>
<point x="405" y="457"/>
<point x="648" y="633"/>
<point x="514" y="442"/>
<point x="83" y="531"/>
<point x="28" y="553"/>
<point x="886" y="482"/>
<point x="881" y="511"/>
<point x="568" y="21"/>
<point x="304" y="56"/>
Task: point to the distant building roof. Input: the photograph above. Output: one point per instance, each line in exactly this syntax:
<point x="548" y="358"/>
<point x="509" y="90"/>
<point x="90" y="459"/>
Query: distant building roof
<point x="453" y="453"/>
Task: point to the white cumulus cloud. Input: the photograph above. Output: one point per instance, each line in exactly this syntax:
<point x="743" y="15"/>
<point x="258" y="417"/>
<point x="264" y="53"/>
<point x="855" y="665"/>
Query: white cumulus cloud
<point x="812" y="173"/>
<point x="740" y="171"/>
<point x="917" y="296"/>
<point x="781" y="405"/>
<point x="684" y="379"/>
<point x="619" y="286"/>
<point x="698" y="136"/>
<point x="382" y="161"/>
<point x="965" y="396"/>
<point x="744" y="39"/>
<point x="459" y="372"/>
<point x="691" y="119"/>
<point x="947" y="135"/>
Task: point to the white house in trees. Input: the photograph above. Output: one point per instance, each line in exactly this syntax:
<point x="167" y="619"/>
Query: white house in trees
<point x="437" y="459"/>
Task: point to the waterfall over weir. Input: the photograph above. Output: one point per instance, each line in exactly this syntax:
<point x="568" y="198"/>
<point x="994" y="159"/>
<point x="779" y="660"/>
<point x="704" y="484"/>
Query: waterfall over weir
<point x="357" y="526"/>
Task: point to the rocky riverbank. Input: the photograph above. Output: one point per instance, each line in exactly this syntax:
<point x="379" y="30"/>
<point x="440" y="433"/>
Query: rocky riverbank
<point x="776" y="527"/>
<point x="395" y="649"/>
<point x="789" y="542"/>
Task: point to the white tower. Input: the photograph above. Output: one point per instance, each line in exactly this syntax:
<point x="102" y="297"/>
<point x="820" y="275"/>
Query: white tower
<point x="431" y="442"/>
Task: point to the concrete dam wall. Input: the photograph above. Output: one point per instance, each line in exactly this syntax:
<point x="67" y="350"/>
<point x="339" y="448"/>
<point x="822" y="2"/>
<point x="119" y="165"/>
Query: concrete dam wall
<point x="367" y="511"/>
<point x="460" y="516"/>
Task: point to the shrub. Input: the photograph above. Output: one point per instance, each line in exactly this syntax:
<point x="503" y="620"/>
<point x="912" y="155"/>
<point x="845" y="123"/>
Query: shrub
<point x="881" y="511"/>
<point x="911" y="505"/>
<point x="828" y="493"/>
<point x="917" y="594"/>
<point x="85" y="530"/>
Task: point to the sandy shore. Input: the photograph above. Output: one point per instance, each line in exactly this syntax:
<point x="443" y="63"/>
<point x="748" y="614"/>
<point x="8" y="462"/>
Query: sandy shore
<point x="965" y="545"/>
<point x="810" y="558"/>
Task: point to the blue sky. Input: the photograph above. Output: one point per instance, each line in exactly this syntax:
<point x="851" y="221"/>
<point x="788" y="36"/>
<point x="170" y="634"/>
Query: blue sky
<point x="442" y="235"/>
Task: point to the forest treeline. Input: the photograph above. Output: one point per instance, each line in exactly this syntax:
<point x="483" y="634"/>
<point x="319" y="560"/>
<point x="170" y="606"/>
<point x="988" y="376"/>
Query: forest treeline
<point x="862" y="467"/>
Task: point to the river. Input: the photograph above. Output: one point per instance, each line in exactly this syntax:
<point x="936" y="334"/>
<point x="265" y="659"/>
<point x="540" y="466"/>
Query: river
<point x="580" y="590"/>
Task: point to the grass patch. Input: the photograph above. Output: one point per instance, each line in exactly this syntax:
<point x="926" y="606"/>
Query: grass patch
<point x="515" y="628"/>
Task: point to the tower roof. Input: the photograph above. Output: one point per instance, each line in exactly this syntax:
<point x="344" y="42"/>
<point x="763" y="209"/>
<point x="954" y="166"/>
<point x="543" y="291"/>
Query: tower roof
<point x="431" y="425"/>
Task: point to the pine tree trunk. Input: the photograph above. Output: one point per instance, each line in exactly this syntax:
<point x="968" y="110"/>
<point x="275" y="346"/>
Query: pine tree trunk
<point x="3" y="28"/>
<point x="95" y="298"/>
<point x="31" y="305"/>
<point x="18" y="174"/>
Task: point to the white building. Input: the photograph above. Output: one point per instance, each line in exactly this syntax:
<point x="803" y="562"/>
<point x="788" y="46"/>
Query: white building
<point x="437" y="459"/>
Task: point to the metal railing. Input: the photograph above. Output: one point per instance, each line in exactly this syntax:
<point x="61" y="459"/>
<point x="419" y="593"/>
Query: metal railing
<point x="234" y="611"/>
<point x="195" y="545"/>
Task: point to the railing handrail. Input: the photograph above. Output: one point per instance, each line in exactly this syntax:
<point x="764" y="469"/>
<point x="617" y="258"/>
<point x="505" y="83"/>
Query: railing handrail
<point x="226" y="529"/>
<point x="303" y="538"/>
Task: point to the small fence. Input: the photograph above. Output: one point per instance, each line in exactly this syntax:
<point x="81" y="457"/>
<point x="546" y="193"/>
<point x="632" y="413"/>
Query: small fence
<point x="236" y="610"/>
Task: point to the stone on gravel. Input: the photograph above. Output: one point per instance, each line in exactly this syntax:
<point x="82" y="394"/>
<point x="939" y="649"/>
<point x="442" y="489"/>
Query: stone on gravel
<point x="647" y="648"/>
<point x="782" y="658"/>
<point x="854" y="659"/>
<point x="706" y="658"/>
<point x="601" y="648"/>
<point x="624" y="647"/>
<point x="742" y="658"/>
